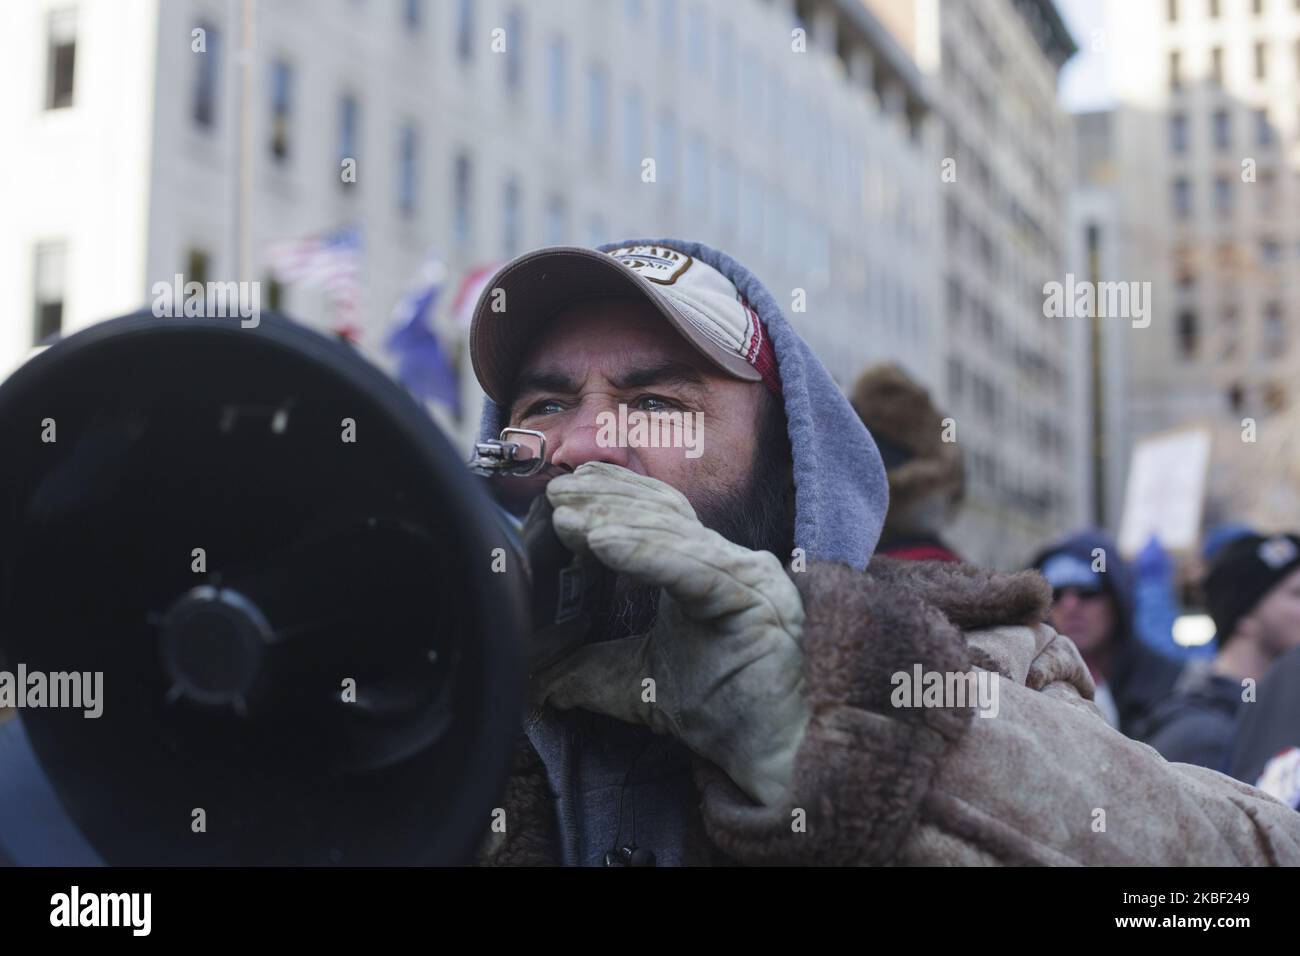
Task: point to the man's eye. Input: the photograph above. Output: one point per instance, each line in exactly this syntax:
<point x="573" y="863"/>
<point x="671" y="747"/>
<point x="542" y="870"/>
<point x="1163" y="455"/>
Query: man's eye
<point x="547" y="406"/>
<point x="654" y="403"/>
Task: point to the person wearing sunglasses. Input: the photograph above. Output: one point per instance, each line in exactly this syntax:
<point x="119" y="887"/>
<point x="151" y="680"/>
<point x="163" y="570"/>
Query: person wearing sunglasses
<point x="1092" y="603"/>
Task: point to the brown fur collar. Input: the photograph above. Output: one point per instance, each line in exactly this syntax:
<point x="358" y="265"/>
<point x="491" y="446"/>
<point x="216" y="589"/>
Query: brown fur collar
<point x="970" y="597"/>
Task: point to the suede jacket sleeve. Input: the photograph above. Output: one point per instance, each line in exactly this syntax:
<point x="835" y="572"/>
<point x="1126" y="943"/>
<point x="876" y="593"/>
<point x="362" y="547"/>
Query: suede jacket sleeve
<point x="1043" y="780"/>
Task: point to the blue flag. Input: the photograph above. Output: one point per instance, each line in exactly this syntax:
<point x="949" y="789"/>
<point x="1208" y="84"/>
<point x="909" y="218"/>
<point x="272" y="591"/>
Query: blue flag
<point x="421" y="364"/>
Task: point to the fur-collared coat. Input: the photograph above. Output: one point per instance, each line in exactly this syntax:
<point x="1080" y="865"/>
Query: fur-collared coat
<point x="1045" y="781"/>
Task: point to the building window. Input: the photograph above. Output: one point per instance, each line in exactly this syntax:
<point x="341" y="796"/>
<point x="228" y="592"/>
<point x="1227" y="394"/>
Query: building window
<point x="556" y="232"/>
<point x="1222" y="130"/>
<point x="597" y="233"/>
<point x="1266" y="186"/>
<point x="556" y="66"/>
<point x="697" y="175"/>
<point x="751" y="210"/>
<point x="406" y="185"/>
<point x="666" y="149"/>
<point x="281" y="105"/>
<point x="206" y="77"/>
<point x="514" y="50"/>
<point x="1222" y="196"/>
<point x="776" y="114"/>
<point x="349" y="124"/>
<point x="1188" y="334"/>
<point x="668" y="24"/>
<point x="1182" y="198"/>
<point x="751" y="88"/>
<point x="1263" y="128"/>
<point x="774" y="226"/>
<point x="697" y="31"/>
<point x="1230" y="327"/>
<point x="632" y="153"/>
<point x="1270" y="251"/>
<point x="726" y="62"/>
<point x="48" y="288"/>
<point x="1274" y="338"/>
<point x="597" y="105"/>
<point x="1175" y="70"/>
<point x="954" y="299"/>
<point x="412" y="13"/>
<point x="61" y="56"/>
<point x="956" y="378"/>
<point x="1236" y="397"/>
<point x="1178" y="133"/>
<point x="1216" y="66"/>
<point x="510" y="220"/>
<point x="465" y="31"/>
<point x="1184" y="267"/>
<point x="461" y="200"/>
<point x="1261" y="60"/>
<point x="725" y="190"/>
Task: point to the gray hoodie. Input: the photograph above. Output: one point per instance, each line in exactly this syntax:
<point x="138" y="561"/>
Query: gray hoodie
<point x="841" y="495"/>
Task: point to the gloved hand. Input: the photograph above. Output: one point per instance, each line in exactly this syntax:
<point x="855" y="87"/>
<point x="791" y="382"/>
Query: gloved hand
<point x="724" y="652"/>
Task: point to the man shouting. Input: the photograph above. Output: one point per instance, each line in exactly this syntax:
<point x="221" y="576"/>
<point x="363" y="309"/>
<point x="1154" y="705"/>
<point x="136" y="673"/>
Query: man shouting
<point x="736" y="703"/>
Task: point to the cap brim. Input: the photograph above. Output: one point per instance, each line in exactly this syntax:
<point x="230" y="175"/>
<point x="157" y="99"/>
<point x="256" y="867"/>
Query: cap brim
<point x="530" y="291"/>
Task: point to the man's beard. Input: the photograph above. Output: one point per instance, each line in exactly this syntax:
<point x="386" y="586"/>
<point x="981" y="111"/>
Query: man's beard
<point x="753" y="516"/>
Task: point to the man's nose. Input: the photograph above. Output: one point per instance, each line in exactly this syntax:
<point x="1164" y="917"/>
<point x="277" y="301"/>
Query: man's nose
<point x="580" y="443"/>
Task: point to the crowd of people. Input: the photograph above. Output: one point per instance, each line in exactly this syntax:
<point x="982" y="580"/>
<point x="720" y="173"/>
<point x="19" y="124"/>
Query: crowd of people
<point x="1236" y="712"/>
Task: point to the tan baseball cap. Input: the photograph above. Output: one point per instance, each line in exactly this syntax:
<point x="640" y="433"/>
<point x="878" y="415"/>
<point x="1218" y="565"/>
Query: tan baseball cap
<point x="696" y="299"/>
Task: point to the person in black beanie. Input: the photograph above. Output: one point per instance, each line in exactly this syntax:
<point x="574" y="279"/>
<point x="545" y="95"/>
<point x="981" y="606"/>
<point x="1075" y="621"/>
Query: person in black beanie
<point x="1253" y="593"/>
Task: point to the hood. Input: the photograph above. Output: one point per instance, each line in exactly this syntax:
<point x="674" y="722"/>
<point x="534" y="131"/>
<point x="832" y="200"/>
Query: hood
<point x="1118" y="576"/>
<point x="841" y="494"/>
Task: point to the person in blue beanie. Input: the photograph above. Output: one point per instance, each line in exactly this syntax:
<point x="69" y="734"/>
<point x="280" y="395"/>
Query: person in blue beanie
<point x="757" y="687"/>
<point x="1092" y="603"/>
<point x="1253" y="593"/>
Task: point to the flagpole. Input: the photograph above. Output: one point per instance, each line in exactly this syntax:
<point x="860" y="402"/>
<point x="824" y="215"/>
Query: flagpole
<point x="242" y="232"/>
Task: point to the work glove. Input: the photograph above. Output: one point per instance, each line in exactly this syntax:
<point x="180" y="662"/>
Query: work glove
<point x="724" y="653"/>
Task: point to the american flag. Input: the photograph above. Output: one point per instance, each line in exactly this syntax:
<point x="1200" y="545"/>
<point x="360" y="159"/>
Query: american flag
<point x="423" y="367"/>
<point x="331" y="261"/>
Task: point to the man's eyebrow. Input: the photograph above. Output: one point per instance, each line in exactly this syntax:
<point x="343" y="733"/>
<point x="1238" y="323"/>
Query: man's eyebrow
<point x="671" y="372"/>
<point x="546" y="381"/>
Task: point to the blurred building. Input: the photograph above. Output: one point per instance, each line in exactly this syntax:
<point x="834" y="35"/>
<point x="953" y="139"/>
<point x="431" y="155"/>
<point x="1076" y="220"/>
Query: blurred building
<point x="792" y="133"/>
<point x="1206" y="144"/>
<point x="1014" y="380"/>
